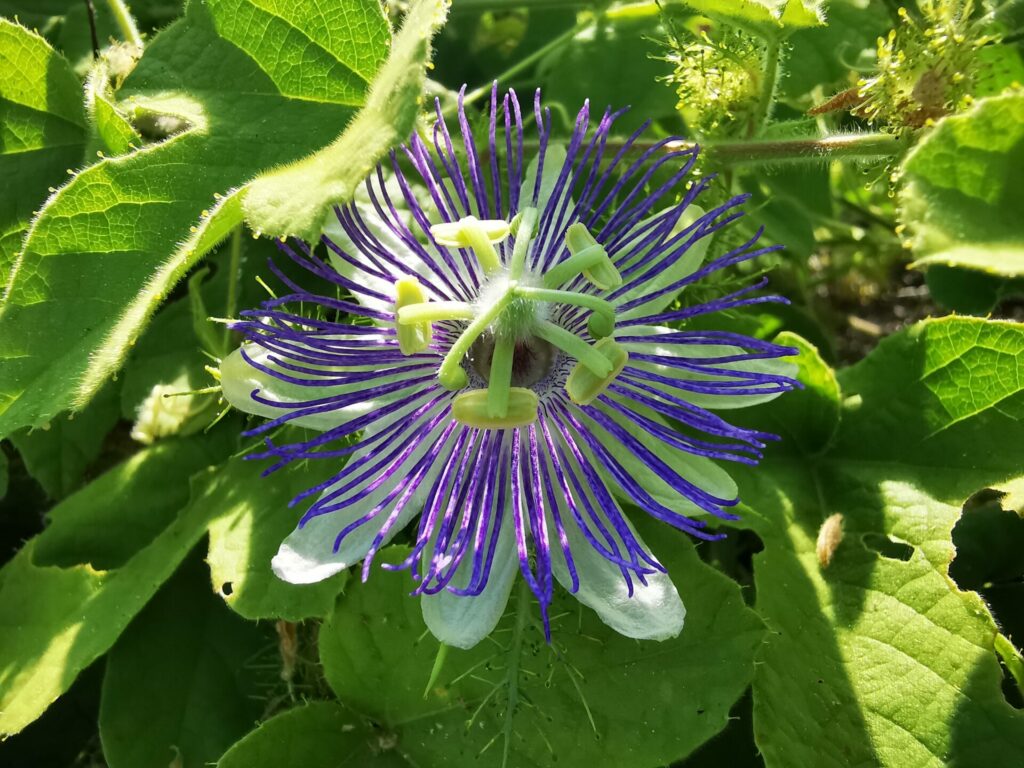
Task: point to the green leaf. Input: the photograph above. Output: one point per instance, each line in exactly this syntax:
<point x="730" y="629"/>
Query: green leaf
<point x="182" y="680"/>
<point x="55" y="621"/>
<point x="875" y="657"/>
<point x="42" y="130"/>
<point x="257" y="89"/>
<point x="806" y="419"/>
<point x="779" y="13"/>
<point x="960" y="195"/>
<point x="295" y="200"/>
<point x="320" y="734"/>
<point x="254" y="520"/>
<point x="58" y="454"/>
<point x="589" y="694"/>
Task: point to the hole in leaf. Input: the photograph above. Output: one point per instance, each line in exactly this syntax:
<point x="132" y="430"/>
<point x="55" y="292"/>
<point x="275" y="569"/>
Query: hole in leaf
<point x="988" y="541"/>
<point x="226" y="589"/>
<point x="887" y="546"/>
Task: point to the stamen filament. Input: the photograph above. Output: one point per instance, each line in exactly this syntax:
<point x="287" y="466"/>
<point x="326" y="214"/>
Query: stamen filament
<point x="435" y="310"/>
<point x="575" y="347"/>
<point x="451" y="374"/>
<point x="500" y="380"/>
<point x="605" y="310"/>
<point x="588" y="257"/>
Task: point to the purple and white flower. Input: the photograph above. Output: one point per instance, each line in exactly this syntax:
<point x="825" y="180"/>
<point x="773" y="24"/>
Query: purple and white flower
<point x="498" y="359"/>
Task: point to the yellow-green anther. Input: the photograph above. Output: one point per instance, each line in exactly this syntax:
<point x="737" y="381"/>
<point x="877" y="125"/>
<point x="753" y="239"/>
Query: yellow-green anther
<point x="583" y="385"/>
<point x="602" y="319"/>
<point x="471" y="232"/>
<point x="522" y="226"/>
<point x="471" y="408"/>
<point x="451" y="374"/>
<point x="432" y="311"/>
<point x="500" y="381"/>
<point x="588" y="258"/>
<point x="574" y="346"/>
<point x="416" y="337"/>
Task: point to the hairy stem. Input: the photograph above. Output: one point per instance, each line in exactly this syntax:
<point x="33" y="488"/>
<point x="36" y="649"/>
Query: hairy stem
<point x="234" y="275"/>
<point x="125" y="22"/>
<point x="769" y="80"/>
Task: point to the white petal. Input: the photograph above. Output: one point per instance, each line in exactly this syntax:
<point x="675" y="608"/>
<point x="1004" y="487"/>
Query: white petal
<point x="239" y="379"/>
<point x="308" y="555"/>
<point x="554" y="160"/>
<point x="653" y="612"/>
<point x="346" y="268"/>
<point x="698" y="470"/>
<point x="661" y="275"/>
<point x="463" y="621"/>
<point x="776" y="366"/>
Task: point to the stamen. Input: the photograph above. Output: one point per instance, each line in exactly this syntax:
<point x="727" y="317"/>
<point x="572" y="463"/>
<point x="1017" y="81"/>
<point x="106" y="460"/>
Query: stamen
<point x="451" y="374"/>
<point x="412" y="338"/>
<point x="522" y="226"/>
<point x="589" y="258"/>
<point x="602" y="321"/>
<point x="433" y="311"/>
<point x="583" y="385"/>
<point x="472" y="409"/>
<point x="588" y="356"/>
<point x="471" y="232"/>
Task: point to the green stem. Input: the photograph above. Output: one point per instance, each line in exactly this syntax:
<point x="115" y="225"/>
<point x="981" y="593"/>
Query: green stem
<point x="515" y="69"/>
<point x="234" y="273"/>
<point x="125" y="22"/>
<point x="514" y="652"/>
<point x="769" y="80"/>
<point x="851" y="146"/>
<point x="1011" y="658"/>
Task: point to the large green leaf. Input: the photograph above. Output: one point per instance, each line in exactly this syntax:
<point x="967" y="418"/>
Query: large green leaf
<point x="55" y="620"/>
<point x="182" y="681"/>
<point x="591" y="698"/>
<point x="257" y="87"/>
<point x="875" y="656"/>
<point x="960" y="196"/>
<point x="42" y="130"/>
<point x="320" y="734"/>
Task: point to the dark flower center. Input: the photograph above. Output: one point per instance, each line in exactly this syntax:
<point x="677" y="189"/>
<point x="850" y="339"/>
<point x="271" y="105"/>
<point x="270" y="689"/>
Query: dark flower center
<point x="531" y="361"/>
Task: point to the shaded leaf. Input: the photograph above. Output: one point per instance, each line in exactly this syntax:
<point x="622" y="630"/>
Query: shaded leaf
<point x="181" y="681"/>
<point x="320" y="734"/>
<point x="55" y="621"/>
<point x="58" y="454"/>
<point x="42" y="130"/>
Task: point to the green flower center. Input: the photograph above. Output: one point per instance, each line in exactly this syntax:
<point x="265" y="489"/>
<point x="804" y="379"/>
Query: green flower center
<point x="509" y="339"/>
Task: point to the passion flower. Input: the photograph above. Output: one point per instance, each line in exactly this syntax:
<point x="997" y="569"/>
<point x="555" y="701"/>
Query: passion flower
<point x="497" y="356"/>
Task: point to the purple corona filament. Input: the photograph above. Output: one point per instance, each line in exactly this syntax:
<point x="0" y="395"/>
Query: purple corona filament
<point x="497" y="359"/>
